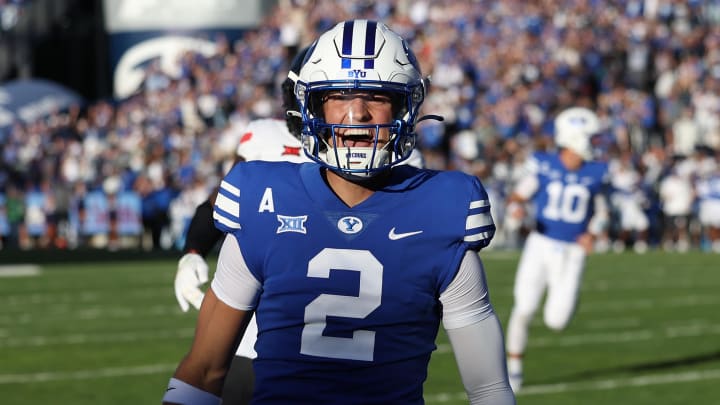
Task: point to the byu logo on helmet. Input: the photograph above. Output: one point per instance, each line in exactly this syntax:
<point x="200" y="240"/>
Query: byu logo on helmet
<point x="357" y="73"/>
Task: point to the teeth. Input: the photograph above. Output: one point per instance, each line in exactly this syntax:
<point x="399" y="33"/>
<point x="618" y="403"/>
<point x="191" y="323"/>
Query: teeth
<point x="357" y="131"/>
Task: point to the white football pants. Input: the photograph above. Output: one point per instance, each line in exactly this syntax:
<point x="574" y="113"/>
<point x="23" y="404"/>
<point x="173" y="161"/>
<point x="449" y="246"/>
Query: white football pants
<point x="549" y="264"/>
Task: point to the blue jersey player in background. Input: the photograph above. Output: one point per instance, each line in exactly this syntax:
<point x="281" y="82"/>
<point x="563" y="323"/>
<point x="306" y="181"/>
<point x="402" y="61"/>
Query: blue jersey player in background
<point x="568" y="192"/>
<point x="350" y="262"/>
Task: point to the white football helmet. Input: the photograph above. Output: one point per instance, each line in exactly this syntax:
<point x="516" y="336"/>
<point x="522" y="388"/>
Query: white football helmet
<point x="366" y="56"/>
<point x="574" y="129"/>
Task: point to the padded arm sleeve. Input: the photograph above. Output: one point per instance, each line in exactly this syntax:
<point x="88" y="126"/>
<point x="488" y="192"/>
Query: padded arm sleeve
<point x="475" y="335"/>
<point x="202" y="235"/>
<point x="480" y="356"/>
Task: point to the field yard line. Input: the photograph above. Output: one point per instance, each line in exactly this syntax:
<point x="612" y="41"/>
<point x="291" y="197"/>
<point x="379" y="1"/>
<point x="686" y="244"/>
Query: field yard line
<point x="691" y="330"/>
<point x="658" y="284"/>
<point x="86" y="374"/>
<point x="600" y="338"/>
<point x="54" y="340"/>
<point x="587" y="305"/>
<point x="62" y="308"/>
<point x="19" y="270"/>
<point x="639" y="381"/>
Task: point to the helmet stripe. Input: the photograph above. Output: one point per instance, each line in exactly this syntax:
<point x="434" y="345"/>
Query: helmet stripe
<point x="370" y="30"/>
<point x="347" y="43"/>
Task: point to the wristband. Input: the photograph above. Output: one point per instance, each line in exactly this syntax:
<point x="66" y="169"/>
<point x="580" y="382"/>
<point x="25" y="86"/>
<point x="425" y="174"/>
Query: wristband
<point x="180" y="392"/>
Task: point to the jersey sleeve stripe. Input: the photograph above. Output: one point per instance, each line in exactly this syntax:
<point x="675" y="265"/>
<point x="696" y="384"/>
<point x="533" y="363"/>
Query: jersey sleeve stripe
<point x="230" y="188"/>
<point x="484" y="236"/>
<point x="479" y="204"/>
<point x="225" y="221"/>
<point x="479" y="225"/>
<point x="478" y="221"/>
<point x="228" y="205"/>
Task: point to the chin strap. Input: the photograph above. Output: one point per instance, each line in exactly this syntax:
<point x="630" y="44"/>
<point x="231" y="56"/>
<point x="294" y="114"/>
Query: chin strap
<point x="431" y="117"/>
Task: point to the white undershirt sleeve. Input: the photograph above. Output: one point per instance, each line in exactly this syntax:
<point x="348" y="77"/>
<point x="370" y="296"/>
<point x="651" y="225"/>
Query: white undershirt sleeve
<point x="466" y="300"/>
<point x="599" y="221"/>
<point x="526" y="186"/>
<point x="476" y="335"/>
<point x="233" y="283"/>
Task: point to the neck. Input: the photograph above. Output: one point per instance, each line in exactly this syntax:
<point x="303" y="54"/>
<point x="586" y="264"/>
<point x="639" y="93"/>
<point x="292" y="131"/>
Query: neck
<point x="570" y="160"/>
<point x="349" y="192"/>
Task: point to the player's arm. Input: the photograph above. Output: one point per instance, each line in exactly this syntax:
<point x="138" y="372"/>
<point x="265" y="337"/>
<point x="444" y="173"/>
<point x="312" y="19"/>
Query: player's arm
<point x="522" y="192"/>
<point x="476" y="335"/>
<point x="598" y="222"/>
<point x="199" y="377"/>
<point x="201" y="237"/>
<point x="222" y="320"/>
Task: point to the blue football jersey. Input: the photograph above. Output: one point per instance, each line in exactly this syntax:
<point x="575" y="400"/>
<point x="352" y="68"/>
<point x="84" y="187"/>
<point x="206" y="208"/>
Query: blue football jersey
<point x="709" y="188"/>
<point x="564" y="201"/>
<point x="348" y="311"/>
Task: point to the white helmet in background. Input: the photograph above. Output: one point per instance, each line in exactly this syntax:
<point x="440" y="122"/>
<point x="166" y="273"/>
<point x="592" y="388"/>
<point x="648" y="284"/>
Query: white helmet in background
<point x="574" y="129"/>
<point x="366" y="56"/>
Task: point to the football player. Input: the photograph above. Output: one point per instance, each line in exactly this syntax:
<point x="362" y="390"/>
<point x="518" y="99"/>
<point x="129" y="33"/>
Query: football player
<point x="568" y="191"/>
<point x="351" y="262"/>
<point x="266" y="139"/>
<point x="708" y="194"/>
<point x="628" y="197"/>
<point x="263" y="139"/>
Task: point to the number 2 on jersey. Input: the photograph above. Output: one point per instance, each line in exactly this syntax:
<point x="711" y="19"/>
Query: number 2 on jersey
<point x="361" y="345"/>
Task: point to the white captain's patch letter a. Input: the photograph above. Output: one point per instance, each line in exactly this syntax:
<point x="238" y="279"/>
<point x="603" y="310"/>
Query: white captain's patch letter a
<point x="267" y="204"/>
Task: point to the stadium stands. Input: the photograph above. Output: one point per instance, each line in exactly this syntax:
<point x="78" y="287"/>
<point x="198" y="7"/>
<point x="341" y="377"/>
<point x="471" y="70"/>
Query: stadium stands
<point x="125" y="174"/>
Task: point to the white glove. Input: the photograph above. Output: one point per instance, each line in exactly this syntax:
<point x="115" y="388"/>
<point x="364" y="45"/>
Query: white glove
<point x="191" y="274"/>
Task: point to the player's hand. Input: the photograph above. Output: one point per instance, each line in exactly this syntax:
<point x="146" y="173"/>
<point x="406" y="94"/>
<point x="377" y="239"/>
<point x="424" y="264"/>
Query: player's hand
<point x="191" y="274"/>
<point x="586" y="241"/>
<point x="514" y="214"/>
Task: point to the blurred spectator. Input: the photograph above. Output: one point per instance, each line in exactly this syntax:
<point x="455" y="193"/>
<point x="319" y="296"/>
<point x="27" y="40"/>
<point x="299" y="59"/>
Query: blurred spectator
<point x="708" y="189"/>
<point x="628" y="199"/>
<point x="676" y="199"/>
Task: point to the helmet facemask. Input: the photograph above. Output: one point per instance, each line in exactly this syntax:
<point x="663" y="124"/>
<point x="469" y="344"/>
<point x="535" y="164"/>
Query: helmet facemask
<point x="355" y="146"/>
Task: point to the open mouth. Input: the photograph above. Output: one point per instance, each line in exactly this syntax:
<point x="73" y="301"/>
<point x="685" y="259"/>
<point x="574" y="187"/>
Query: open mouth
<point x="356" y="137"/>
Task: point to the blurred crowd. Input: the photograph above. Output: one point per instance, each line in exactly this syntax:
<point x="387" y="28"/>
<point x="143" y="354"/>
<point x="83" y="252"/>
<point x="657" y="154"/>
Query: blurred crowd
<point x="129" y="173"/>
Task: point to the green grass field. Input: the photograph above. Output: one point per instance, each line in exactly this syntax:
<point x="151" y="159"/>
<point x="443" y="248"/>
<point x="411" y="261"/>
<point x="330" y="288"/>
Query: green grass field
<point x="647" y="331"/>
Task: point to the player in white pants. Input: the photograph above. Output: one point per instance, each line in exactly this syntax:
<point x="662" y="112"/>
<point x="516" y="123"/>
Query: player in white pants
<point x="628" y="198"/>
<point x="567" y="191"/>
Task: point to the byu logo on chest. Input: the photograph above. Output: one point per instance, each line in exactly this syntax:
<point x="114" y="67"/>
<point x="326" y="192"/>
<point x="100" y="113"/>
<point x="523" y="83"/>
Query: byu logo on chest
<point x="350" y="225"/>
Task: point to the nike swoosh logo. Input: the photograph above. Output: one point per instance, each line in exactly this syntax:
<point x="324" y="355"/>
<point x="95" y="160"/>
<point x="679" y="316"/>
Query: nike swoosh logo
<point x="395" y="236"/>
